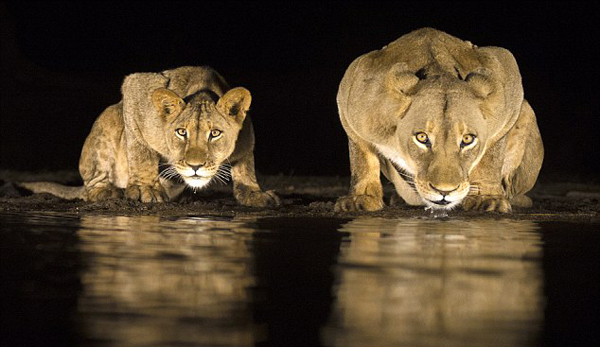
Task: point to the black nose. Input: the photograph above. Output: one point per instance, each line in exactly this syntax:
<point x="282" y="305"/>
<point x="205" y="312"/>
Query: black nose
<point x="196" y="167"/>
<point x="442" y="191"/>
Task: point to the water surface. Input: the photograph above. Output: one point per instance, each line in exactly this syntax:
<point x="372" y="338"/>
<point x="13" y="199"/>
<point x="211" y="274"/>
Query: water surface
<point x="96" y="280"/>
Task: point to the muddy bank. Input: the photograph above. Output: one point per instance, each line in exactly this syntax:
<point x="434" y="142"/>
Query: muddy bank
<point x="301" y="197"/>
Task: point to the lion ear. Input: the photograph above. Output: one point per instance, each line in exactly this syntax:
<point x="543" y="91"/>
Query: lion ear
<point x="480" y="82"/>
<point x="401" y="83"/>
<point x="400" y="79"/>
<point x="167" y="102"/>
<point x="235" y="103"/>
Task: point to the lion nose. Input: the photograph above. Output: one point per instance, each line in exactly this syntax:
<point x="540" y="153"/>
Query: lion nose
<point x="443" y="190"/>
<point x="195" y="167"/>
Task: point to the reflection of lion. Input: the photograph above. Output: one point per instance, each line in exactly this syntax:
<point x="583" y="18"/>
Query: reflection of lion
<point x="186" y="118"/>
<point x="444" y="120"/>
<point x="412" y="282"/>
<point x="179" y="281"/>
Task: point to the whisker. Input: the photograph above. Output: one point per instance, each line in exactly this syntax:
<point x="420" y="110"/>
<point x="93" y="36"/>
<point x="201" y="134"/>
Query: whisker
<point x="171" y="173"/>
<point x="222" y="179"/>
<point x="405" y="175"/>
<point x="219" y="179"/>
<point x="168" y="172"/>
<point x="225" y="167"/>
<point x="224" y="173"/>
<point x="474" y="189"/>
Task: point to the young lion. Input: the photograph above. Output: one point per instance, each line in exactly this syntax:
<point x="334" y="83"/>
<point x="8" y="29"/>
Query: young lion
<point x="187" y="119"/>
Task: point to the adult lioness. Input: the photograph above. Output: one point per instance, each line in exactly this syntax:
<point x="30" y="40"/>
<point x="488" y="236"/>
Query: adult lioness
<point x="444" y="120"/>
<point x="187" y="118"/>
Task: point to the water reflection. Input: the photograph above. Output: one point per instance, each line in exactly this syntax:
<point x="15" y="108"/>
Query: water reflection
<point x="438" y="283"/>
<point x="189" y="281"/>
<point x="153" y="281"/>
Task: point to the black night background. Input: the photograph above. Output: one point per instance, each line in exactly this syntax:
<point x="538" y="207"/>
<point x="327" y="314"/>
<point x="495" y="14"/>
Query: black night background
<point x="63" y="63"/>
<point x="210" y="270"/>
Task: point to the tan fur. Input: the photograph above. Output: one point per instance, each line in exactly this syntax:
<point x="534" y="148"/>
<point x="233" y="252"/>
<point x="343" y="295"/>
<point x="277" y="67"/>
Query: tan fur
<point x="170" y="118"/>
<point x="430" y="82"/>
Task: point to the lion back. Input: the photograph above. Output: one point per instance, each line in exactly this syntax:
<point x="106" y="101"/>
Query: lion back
<point x="363" y="96"/>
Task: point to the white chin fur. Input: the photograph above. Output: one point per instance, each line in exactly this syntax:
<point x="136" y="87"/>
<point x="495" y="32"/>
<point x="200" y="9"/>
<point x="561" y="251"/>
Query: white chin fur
<point x="455" y="200"/>
<point x="394" y="157"/>
<point x="449" y="206"/>
<point x="196" y="182"/>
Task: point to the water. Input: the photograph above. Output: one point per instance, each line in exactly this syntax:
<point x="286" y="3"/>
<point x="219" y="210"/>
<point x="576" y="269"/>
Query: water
<point x="95" y="280"/>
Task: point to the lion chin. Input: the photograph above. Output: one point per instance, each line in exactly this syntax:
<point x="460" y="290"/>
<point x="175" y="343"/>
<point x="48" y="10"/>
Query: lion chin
<point x="442" y="204"/>
<point x="435" y="200"/>
<point x="197" y="182"/>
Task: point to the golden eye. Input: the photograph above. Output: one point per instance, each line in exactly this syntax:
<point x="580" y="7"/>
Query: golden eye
<point x="215" y="133"/>
<point x="181" y="132"/>
<point x="422" y="138"/>
<point x="467" y="140"/>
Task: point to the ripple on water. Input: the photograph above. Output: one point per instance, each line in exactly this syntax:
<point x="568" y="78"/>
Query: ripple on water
<point x="196" y="281"/>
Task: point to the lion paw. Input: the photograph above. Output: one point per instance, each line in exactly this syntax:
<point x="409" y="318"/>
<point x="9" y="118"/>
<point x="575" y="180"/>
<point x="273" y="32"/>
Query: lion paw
<point x="487" y="203"/>
<point x="257" y="198"/>
<point x="145" y="193"/>
<point x="358" y="203"/>
<point x="103" y="193"/>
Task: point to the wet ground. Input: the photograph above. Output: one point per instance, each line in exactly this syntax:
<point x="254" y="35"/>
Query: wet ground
<point x="301" y="196"/>
<point x="212" y="273"/>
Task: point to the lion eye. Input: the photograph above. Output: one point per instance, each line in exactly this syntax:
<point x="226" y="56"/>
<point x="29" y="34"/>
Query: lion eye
<point x="467" y="140"/>
<point x="181" y="132"/>
<point x="215" y="133"/>
<point x="422" y="138"/>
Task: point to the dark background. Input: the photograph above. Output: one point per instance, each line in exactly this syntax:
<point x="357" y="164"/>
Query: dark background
<point x="63" y="63"/>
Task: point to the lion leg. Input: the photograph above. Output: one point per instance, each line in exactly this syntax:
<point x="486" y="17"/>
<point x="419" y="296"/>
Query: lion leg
<point x="143" y="184"/>
<point x="173" y="188"/>
<point x="524" y="156"/>
<point x="97" y="161"/>
<point x="521" y="153"/>
<point x="366" y="193"/>
<point x="245" y="186"/>
<point x="486" y="192"/>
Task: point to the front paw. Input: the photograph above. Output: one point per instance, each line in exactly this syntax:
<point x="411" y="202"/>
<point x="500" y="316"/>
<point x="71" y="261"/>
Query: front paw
<point x="102" y="193"/>
<point x="258" y="198"/>
<point x="358" y="203"/>
<point x="145" y="193"/>
<point x="487" y="203"/>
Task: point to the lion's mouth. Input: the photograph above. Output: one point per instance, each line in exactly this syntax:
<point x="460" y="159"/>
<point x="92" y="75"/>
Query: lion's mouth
<point x="200" y="178"/>
<point x="442" y="202"/>
<point x="196" y="176"/>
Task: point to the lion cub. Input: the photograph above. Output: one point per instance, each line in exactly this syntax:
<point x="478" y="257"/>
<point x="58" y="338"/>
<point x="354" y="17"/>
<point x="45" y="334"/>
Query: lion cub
<point x="186" y="119"/>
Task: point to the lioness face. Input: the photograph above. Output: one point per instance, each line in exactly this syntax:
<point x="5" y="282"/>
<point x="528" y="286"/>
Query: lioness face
<point x="442" y="136"/>
<point x="201" y="133"/>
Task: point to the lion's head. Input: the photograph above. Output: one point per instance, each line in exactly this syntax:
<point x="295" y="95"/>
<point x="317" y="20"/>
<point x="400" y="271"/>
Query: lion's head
<point x="438" y="129"/>
<point x="200" y="132"/>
